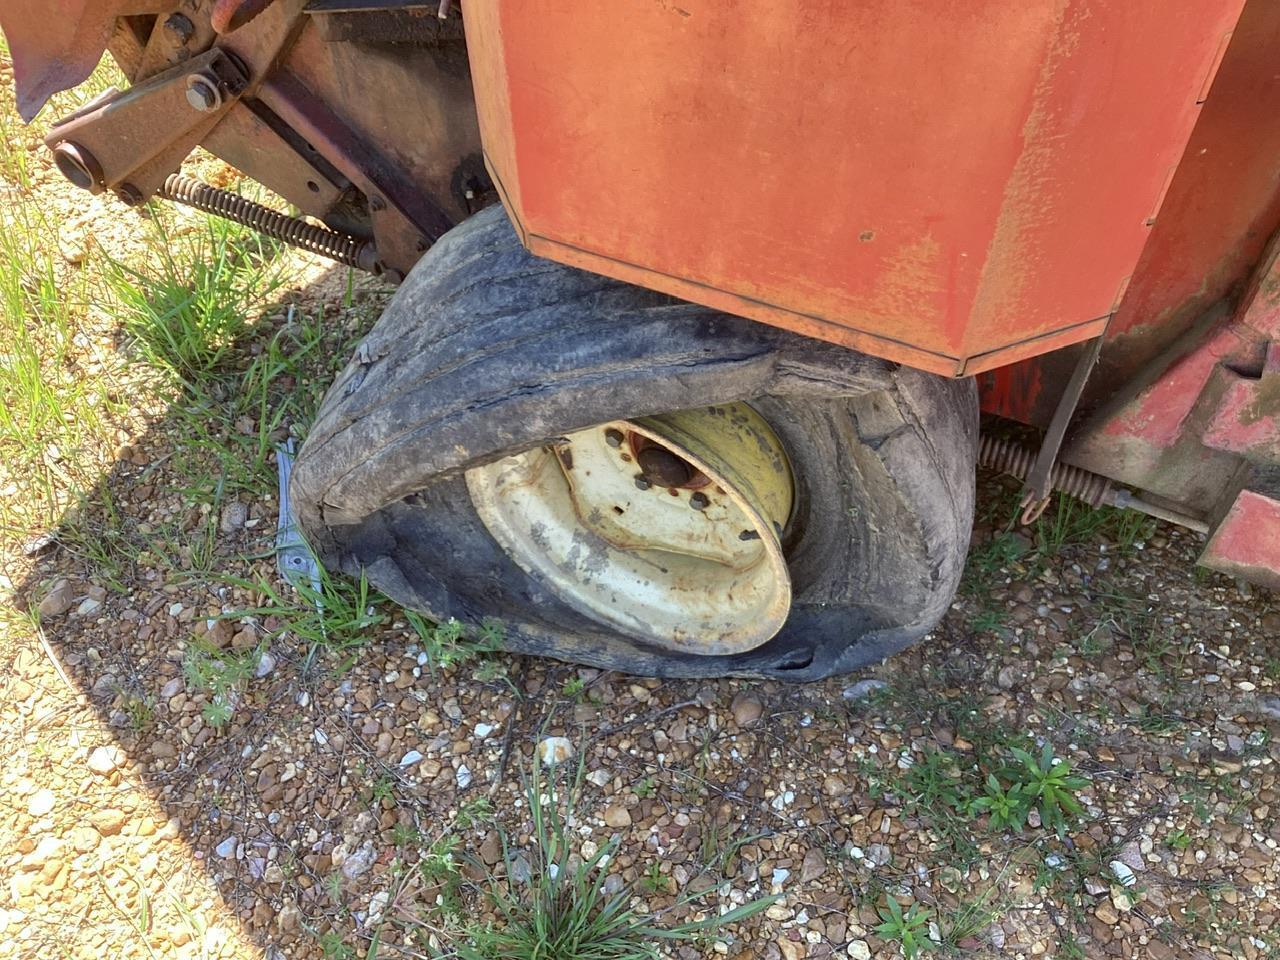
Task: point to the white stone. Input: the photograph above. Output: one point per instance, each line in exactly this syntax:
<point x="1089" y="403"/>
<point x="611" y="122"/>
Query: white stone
<point x="410" y="758"/>
<point x="858" y="950"/>
<point x="103" y="760"/>
<point x="862" y="689"/>
<point x="463" y="776"/>
<point x="1123" y="873"/>
<point x="377" y="906"/>
<point x="554" y="750"/>
<point x="266" y="663"/>
<point x="226" y="849"/>
<point x="41" y="802"/>
<point x="483" y="730"/>
<point x="358" y="863"/>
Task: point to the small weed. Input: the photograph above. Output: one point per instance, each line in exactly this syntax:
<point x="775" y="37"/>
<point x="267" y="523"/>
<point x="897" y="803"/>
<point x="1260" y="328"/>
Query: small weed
<point x="139" y="712"/>
<point x="986" y="560"/>
<point x="383" y="790"/>
<point x="1177" y="840"/>
<point x="934" y="783"/>
<point x="987" y="620"/>
<point x="337" y="617"/>
<point x="333" y="886"/>
<point x="476" y="812"/>
<point x="439" y="869"/>
<point x="572" y="688"/>
<point x="334" y="947"/>
<point x="646" y="788"/>
<point x="406" y="835"/>
<point x="220" y="672"/>
<point x="447" y="645"/>
<point x="1007" y="807"/>
<point x="1051" y="786"/>
<point x="909" y="930"/>
<point x="653" y="881"/>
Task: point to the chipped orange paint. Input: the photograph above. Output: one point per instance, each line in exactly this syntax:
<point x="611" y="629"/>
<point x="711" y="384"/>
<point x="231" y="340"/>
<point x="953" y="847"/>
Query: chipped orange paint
<point x="952" y="185"/>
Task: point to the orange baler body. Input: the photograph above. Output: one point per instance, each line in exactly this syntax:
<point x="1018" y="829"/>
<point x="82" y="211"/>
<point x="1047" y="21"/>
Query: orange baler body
<point x="953" y="185"/>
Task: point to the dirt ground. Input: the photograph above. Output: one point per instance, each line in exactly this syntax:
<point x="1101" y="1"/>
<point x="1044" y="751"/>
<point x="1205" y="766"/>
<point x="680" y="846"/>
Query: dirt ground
<point x="199" y="764"/>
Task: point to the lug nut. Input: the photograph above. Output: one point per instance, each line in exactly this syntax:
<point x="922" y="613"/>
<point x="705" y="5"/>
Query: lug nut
<point x="642" y="482"/>
<point x="699" y="501"/>
<point x="613" y="437"/>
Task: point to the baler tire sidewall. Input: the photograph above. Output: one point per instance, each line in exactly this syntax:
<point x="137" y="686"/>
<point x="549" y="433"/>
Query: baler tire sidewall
<point x="486" y="351"/>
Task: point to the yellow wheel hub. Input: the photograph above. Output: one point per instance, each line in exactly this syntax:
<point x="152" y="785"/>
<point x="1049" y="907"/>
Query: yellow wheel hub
<point x="666" y="528"/>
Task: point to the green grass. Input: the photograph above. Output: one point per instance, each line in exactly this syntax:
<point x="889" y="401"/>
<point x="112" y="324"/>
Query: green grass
<point x="563" y="911"/>
<point x="191" y="309"/>
<point x="336" y="618"/>
<point x="1070" y="522"/>
<point x="55" y="422"/>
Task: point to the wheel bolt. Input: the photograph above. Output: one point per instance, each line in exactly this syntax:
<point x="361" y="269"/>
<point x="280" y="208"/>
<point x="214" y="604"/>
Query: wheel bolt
<point x="642" y="482"/>
<point x="613" y="437"/>
<point x="699" y="501"/>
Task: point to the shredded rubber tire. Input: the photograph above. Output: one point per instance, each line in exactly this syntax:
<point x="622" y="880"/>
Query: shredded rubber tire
<point x="486" y="351"/>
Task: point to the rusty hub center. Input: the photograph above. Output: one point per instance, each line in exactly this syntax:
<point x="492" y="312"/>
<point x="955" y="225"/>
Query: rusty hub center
<point x="663" y="467"/>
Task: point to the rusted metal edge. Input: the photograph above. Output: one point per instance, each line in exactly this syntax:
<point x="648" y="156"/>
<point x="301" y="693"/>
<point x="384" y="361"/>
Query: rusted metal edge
<point x="1039" y="480"/>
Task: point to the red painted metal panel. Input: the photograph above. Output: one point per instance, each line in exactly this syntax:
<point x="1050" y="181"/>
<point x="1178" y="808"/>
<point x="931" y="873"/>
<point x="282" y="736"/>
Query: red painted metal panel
<point x="938" y="182"/>
<point x="1222" y="207"/>
<point x="1247" y="542"/>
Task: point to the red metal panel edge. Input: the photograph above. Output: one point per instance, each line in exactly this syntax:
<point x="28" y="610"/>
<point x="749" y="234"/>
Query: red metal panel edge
<point x="1247" y="541"/>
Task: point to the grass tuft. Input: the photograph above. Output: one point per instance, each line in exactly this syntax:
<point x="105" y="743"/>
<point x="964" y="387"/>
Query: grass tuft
<point x="190" y="310"/>
<point x="563" y="911"/>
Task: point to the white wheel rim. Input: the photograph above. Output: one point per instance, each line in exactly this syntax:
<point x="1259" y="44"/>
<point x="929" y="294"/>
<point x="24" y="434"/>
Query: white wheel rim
<point x="692" y="565"/>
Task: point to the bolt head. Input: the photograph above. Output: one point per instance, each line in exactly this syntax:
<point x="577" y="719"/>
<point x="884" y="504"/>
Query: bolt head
<point x="203" y="94"/>
<point x="613" y="437"/>
<point x="129" y="195"/>
<point x="181" y="26"/>
<point x="699" y="501"/>
<point x="642" y="482"/>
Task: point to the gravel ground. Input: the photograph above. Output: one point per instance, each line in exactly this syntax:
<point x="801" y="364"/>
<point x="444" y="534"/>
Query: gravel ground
<point x="350" y="798"/>
<point x="300" y="815"/>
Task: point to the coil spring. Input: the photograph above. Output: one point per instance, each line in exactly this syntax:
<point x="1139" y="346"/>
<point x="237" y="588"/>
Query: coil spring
<point x="1011" y="457"/>
<point x="292" y="230"/>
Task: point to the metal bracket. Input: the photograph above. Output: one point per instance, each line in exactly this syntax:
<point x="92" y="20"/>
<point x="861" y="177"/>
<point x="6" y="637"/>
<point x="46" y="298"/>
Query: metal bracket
<point x="1039" y="483"/>
<point x="128" y="142"/>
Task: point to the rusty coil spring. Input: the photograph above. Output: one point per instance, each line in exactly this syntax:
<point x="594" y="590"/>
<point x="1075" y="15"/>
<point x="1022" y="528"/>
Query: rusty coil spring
<point x="1011" y="457"/>
<point x="292" y="230"/>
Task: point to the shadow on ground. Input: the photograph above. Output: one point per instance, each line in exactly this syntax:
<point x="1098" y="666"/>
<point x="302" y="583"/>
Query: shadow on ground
<point x="342" y="789"/>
